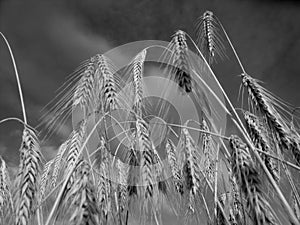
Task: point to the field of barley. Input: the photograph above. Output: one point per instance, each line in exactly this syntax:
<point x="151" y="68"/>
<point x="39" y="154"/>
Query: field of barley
<point x="156" y="139"/>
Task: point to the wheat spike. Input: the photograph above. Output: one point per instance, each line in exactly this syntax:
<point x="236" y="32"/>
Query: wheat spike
<point x="6" y="203"/>
<point x="191" y="171"/>
<point x="133" y="160"/>
<point x="84" y="92"/>
<point x="137" y="71"/>
<point x="173" y="162"/>
<point x="28" y="177"/>
<point x="260" y="140"/>
<point x="107" y="84"/>
<point x="123" y="195"/>
<point x="75" y="145"/>
<point x="263" y="102"/>
<point x="84" y="204"/>
<point x="145" y="147"/>
<point x="104" y="189"/>
<point x="45" y="178"/>
<point x="208" y="37"/>
<point x="250" y="184"/>
<point x="58" y="161"/>
<point x="180" y="61"/>
<point x="209" y="163"/>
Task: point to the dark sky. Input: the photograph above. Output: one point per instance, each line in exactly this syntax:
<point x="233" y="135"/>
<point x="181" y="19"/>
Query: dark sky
<point x="50" y="39"/>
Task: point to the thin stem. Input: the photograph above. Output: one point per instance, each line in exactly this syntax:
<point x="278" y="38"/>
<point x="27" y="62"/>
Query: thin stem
<point x="279" y="159"/>
<point x="200" y="130"/>
<point x="231" y="46"/>
<point x="17" y="77"/>
<point x="219" y="85"/>
<point x="12" y="119"/>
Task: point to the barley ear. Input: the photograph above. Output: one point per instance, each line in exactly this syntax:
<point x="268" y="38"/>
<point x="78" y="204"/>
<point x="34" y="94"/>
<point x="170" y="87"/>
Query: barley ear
<point x="249" y="181"/>
<point x="209" y="39"/>
<point x="28" y="180"/>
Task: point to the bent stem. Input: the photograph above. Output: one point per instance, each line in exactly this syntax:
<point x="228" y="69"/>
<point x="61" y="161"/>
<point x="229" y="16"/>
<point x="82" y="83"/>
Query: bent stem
<point x="17" y="77"/>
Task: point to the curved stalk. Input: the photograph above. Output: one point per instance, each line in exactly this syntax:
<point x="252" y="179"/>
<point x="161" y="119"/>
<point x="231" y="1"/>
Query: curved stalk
<point x="17" y="77"/>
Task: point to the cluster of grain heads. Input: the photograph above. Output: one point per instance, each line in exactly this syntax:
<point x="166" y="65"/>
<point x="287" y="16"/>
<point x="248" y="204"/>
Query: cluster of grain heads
<point x="28" y="178"/>
<point x="82" y="197"/>
<point x="261" y="100"/>
<point x="6" y="202"/>
<point x="260" y="139"/>
<point x="249" y="182"/>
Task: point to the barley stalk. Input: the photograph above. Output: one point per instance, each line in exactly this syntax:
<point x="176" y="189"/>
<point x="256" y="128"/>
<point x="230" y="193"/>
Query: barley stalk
<point x="249" y="181"/>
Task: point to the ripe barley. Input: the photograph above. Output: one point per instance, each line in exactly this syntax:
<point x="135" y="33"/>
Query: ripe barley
<point x="104" y="189"/>
<point x="123" y="195"/>
<point x="45" y="178"/>
<point x="249" y="182"/>
<point x="58" y="161"/>
<point x="208" y="37"/>
<point x="133" y="160"/>
<point x="6" y="203"/>
<point x="173" y="163"/>
<point x="75" y="145"/>
<point x="260" y="140"/>
<point x="263" y="102"/>
<point x="145" y="147"/>
<point x="108" y="86"/>
<point x="180" y="61"/>
<point x="137" y="71"/>
<point x="84" y="92"/>
<point x="191" y="171"/>
<point x="207" y="147"/>
<point x="83" y="202"/>
<point x="28" y="177"/>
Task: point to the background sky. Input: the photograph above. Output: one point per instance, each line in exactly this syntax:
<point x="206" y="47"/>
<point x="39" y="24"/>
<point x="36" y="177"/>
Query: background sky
<point x="50" y="39"/>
